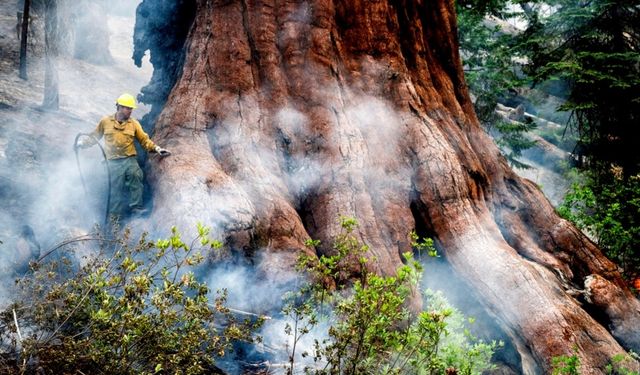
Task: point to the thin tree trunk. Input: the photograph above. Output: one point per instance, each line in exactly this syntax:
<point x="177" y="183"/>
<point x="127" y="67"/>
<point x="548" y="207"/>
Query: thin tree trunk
<point x="288" y="114"/>
<point x="51" y="89"/>
<point x="24" y="33"/>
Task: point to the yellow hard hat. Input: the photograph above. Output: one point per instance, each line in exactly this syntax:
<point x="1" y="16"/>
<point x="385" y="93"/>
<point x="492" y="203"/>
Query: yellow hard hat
<point x="127" y="100"/>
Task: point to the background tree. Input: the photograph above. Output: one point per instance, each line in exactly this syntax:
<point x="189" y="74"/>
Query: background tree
<point x="24" y="34"/>
<point x="593" y="48"/>
<point x="51" y="85"/>
<point x="488" y="54"/>
<point x="90" y="31"/>
<point x="492" y="65"/>
<point x="286" y="115"/>
<point x="586" y="54"/>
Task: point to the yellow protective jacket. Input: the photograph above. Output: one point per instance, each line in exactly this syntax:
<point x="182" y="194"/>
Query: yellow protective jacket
<point x="118" y="137"/>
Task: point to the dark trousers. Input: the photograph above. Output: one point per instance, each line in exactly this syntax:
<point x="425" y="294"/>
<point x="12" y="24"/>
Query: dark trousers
<point x="126" y="185"/>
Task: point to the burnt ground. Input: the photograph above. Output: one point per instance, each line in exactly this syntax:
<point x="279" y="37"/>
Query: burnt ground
<point x="30" y="138"/>
<point x="87" y="91"/>
<point x="39" y="183"/>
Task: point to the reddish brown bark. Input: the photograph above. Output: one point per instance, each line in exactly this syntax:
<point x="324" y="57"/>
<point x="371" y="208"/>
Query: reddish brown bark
<point x="271" y="89"/>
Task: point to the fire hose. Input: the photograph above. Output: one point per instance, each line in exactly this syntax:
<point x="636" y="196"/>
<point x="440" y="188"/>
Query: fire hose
<point x="84" y="186"/>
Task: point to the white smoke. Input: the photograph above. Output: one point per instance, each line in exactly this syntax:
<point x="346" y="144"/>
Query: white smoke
<point x="88" y="92"/>
<point x="39" y="177"/>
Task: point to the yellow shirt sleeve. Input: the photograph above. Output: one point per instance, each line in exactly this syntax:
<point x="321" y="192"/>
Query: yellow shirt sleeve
<point x="97" y="133"/>
<point x="143" y="137"/>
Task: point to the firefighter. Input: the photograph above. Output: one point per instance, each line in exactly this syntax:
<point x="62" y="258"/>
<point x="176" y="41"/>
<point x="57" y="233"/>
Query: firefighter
<point x="119" y="131"/>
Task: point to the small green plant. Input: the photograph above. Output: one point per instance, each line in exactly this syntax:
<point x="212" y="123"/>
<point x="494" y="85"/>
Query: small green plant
<point x="458" y="348"/>
<point x="136" y="308"/>
<point x="619" y="363"/>
<point x="566" y="364"/>
<point x="302" y="318"/>
<point x="422" y="245"/>
<point x="312" y="243"/>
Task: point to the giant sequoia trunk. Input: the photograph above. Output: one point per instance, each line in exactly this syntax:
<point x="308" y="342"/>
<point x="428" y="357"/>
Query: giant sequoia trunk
<point x="287" y="114"/>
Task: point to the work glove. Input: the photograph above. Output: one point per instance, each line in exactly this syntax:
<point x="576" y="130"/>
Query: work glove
<point x="83" y="143"/>
<point x="161" y="151"/>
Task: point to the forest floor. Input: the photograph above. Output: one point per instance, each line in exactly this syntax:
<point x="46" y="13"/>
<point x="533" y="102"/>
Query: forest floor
<point x="87" y="91"/>
<point x="38" y="173"/>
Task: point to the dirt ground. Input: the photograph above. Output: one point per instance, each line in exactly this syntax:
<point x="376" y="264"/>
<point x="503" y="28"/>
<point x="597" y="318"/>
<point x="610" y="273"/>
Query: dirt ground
<point x="39" y="183"/>
<point x="87" y="91"/>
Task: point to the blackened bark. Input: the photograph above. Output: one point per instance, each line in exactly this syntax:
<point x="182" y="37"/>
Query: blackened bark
<point x="24" y="35"/>
<point x="161" y="27"/>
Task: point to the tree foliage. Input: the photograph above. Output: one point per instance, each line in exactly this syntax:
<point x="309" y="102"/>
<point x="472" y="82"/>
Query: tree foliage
<point x="488" y="55"/>
<point x="492" y="72"/>
<point x="607" y="207"/>
<point x="593" y="46"/>
<point x="591" y="49"/>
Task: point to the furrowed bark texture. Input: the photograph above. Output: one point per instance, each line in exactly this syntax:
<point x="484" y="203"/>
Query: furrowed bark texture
<point x="288" y="114"/>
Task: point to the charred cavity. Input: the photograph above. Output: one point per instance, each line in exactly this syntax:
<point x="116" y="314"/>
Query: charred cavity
<point x="161" y="28"/>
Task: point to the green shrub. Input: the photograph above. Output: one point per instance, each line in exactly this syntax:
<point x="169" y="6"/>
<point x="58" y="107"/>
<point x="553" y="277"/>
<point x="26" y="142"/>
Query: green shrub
<point x="570" y="365"/>
<point x="619" y="363"/>
<point x="133" y="309"/>
<point x="371" y="331"/>
<point x="566" y="365"/>
<point x="607" y="208"/>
